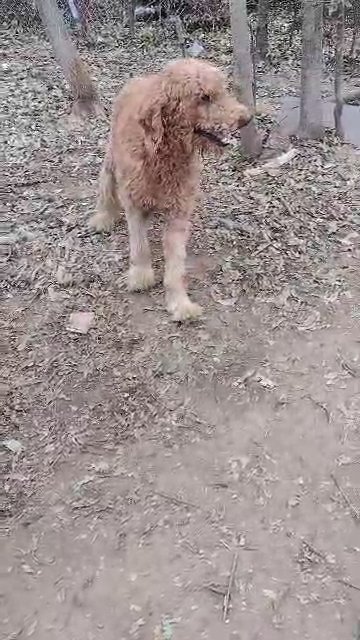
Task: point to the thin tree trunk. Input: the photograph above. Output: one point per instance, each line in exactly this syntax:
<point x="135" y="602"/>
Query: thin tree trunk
<point x="86" y="11"/>
<point x="262" y="34"/>
<point x="179" y="32"/>
<point x="353" y="42"/>
<point x="84" y="93"/>
<point x="295" y="24"/>
<point x="311" y="125"/>
<point x="339" y="68"/>
<point x="243" y="72"/>
<point x="355" y="30"/>
<point x="131" y="16"/>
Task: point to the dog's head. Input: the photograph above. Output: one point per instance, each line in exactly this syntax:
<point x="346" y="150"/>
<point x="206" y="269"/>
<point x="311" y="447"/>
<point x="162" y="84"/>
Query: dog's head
<point x="194" y="106"/>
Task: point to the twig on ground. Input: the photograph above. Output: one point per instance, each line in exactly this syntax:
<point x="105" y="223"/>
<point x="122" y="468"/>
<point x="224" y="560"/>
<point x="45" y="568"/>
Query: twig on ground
<point x="176" y="500"/>
<point x="22" y="185"/>
<point x="349" y="369"/>
<point x="354" y="511"/>
<point x="262" y="248"/>
<point x="349" y="584"/>
<point x="311" y="548"/>
<point x="285" y="204"/>
<point x="218" y="589"/>
<point x="322" y="556"/>
<point x="320" y="405"/>
<point x="227" y="596"/>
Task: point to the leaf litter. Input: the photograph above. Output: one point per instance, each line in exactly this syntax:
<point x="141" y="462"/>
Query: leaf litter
<point x="274" y="233"/>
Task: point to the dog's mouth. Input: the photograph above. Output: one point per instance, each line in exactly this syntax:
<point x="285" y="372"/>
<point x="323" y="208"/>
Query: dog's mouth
<point x="220" y="139"/>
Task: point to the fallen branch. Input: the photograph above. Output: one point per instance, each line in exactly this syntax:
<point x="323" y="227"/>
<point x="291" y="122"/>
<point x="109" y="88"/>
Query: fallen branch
<point x="346" y="583"/>
<point x="274" y="163"/>
<point x="175" y="500"/>
<point x="227" y="596"/>
<point x="353" y="510"/>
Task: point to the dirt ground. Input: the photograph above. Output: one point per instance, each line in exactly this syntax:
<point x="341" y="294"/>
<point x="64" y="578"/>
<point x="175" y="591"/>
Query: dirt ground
<point x="167" y="482"/>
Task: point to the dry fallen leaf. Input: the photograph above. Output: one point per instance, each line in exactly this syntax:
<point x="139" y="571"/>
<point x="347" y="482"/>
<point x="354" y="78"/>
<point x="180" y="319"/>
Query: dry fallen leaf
<point x="13" y="445"/>
<point x="80" y="321"/>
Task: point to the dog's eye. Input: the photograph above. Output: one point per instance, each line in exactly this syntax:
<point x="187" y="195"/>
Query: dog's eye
<point x="205" y="98"/>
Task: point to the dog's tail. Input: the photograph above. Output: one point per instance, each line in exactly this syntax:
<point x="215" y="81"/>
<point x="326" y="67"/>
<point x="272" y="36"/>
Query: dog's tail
<point x="108" y="205"/>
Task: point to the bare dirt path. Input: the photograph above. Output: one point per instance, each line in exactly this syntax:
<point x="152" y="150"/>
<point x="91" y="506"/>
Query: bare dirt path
<point x="152" y="470"/>
<point x="118" y="541"/>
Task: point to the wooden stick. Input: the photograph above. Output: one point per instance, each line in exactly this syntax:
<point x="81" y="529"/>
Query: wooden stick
<point x="346" y="583"/>
<point x="354" y="511"/>
<point x="227" y="596"/>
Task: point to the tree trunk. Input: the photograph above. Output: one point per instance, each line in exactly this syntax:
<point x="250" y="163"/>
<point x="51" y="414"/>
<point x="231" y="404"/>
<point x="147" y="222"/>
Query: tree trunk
<point x="311" y="125"/>
<point x="243" y="73"/>
<point x="339" y="68"/>
<point x="295" y="24"/>
<point x="86" y="11"/>
<point x="131" y="16"/>
<point x="355" y="30"/>
<point x="179" y="32"/>
<point x="262" y="35"/>
<point x="84" y="93"/>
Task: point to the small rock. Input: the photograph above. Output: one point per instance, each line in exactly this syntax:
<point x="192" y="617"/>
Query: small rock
<point x="13" y="445"/>
<point x="195" y="50"/>
<point x="62" y="276"/>
<point x="80" y="322"/>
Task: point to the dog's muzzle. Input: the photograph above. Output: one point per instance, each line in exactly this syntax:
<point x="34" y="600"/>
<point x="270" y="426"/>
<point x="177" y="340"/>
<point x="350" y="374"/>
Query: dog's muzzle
<point x="221" y="138"/>
<point x="216" y="137"/>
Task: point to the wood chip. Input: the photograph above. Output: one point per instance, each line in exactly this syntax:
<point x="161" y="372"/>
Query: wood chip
<point x="274" y="163"/>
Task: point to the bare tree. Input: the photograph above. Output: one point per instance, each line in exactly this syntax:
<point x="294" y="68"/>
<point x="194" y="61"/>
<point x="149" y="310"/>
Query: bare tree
<point x="262" y="34"/>
<point x="84" y="93"/>
<point x="243" y="72"/>
<point x="311" y="125"/>
<point x="339" y="67"/>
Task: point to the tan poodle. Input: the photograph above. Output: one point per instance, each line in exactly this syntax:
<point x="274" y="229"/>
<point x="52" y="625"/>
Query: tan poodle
<point x="161" y="125"/>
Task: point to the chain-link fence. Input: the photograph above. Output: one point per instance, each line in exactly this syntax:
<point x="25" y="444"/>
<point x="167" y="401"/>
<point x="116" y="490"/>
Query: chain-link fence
<point x="90" y="16"/>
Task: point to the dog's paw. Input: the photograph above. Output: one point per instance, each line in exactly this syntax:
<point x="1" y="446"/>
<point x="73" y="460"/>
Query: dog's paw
<point x="101" y="221"/>
<point x="140" y="278"/>
<point x="184" y="310"/>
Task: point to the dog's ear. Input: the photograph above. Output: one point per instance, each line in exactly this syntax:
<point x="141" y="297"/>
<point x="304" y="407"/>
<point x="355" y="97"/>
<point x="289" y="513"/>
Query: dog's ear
<point x="152" y="123"/>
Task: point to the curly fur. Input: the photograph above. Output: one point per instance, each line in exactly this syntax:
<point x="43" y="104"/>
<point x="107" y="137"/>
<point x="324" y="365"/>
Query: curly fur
<point x="161" y="125"/>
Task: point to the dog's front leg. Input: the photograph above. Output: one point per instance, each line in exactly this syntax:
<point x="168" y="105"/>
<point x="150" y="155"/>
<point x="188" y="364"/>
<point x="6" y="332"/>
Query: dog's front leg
<point x="178" y="302"/>
<point x="141" y="275"/>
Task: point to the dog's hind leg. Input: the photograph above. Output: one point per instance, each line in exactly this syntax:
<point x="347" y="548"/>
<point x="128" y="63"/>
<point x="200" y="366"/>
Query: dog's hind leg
<point x="108" y="207"/>
<point x="141" y="275"/>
